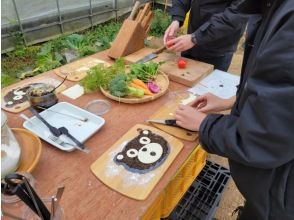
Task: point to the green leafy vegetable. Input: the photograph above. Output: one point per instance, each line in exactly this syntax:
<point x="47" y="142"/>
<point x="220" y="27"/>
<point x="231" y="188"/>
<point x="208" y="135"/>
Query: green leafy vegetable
<point x="119" y="85"/>
<point x="145" y="71"/>
<point x="100" y="76"/>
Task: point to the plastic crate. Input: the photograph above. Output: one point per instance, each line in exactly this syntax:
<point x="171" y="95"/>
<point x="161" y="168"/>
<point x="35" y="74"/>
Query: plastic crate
<point x="178" y="185"/>
<point x="182" y="180"/>
<point x="154" y="211"/>
<point x="202" y="198"/>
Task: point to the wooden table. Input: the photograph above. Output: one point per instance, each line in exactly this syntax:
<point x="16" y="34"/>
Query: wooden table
<point x="85" y="197"/>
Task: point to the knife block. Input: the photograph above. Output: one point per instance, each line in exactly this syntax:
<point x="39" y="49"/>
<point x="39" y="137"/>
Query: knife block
<point x="129" y="39"/>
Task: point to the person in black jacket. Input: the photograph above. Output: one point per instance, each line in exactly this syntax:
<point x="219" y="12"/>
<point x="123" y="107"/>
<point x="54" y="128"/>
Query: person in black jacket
<point x="214" y="30"/>
<point x="258" y="135"/>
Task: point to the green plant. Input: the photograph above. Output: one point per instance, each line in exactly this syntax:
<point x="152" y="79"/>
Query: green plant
<point x="47" y="59"/>
<point x="145" y="71"/>
<point x="82" y="44"/>
<point x="7" y="80"/>
<point x="27" y="61"/>
<point x="105" y="34"/>
<point x="160" y="23"/>
<point x="100" y="76"/>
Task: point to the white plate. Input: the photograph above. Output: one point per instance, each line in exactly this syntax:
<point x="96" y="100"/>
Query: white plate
<point x="79" y="129"/>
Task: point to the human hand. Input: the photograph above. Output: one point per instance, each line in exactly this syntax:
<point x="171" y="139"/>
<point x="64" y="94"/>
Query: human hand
<point x="171" y="31"/>
<point x="181" y="43"/>
<point x="189" y="118"/>
<point x="211" y="103"/>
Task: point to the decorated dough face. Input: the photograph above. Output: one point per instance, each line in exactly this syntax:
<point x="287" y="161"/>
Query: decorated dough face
<point x="16" y="96"/>
<point x="143" y="153"/>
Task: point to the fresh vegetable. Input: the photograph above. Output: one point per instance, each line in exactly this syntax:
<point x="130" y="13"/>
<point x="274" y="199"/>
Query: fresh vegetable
<point x="100" y="76"/>
<point x="169" y="44"/>
<point x="182" y="63"/>
<point x="145" y="90"/>
<point x="140" y="83"/>
<point x="145" y="71"/>
<point x="136" y="92"/>
<point x="119" y="86"/>
<point x="153" y="87"/>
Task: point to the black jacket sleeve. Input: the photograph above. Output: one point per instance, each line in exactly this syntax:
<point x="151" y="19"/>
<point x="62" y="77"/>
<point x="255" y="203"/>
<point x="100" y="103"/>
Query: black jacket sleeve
<point x="262" y="133"/>
<point x="222" y="24"/>
<point x="179" y="10"/>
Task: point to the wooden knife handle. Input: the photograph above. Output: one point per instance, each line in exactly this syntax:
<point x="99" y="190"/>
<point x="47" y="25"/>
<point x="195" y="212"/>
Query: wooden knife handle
<point x="147" y="19"/>
<point x="138" y="15"/>
<point x="134" y="10"/>
<point x="146" y="9"/>
<point x="159" y="50"/>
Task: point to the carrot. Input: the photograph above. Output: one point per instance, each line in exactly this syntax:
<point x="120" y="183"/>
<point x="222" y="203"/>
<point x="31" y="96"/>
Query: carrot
<point x="146" y="91"/>
<point x="140" y="83"/>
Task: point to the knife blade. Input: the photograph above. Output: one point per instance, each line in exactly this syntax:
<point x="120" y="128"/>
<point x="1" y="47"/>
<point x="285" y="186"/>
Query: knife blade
<point x="64" y="131"/>
<point x="152" y="55"/>
<point x="51" y="128"/>
<point x="169" y="122"/>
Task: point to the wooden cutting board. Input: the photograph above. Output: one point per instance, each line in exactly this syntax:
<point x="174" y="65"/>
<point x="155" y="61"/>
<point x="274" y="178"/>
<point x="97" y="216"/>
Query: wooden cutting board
<point x="189" y="76"/>
<point x="15" y="106"/>
<point x="168" y="112"/>
<point x="77" y="70"/>
<point x="136" y="182"/>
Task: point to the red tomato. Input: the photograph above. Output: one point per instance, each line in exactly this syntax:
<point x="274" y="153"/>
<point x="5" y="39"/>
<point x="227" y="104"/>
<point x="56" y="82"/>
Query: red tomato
<point x="182" y="63"/>
<point x="169" y="44"/>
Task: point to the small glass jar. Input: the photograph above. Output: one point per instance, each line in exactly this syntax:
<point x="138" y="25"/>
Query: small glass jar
<point x="10" y="149"/>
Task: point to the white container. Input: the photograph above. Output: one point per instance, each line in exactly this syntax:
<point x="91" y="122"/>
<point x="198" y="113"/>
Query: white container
<point x="10" y="150"/>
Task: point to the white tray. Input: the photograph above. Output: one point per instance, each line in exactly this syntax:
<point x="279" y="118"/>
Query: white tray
<point x="79" y="129"/>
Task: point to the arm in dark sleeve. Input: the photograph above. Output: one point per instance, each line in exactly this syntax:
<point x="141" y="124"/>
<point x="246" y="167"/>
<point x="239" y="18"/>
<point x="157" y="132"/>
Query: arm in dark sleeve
<point x="179" y="10"/>
<point x="223" y="24"/>
<point x="262" y="135"/>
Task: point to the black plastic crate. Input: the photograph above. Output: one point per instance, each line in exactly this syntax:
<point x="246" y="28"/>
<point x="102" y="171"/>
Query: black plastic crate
<point x="203" y="196"/>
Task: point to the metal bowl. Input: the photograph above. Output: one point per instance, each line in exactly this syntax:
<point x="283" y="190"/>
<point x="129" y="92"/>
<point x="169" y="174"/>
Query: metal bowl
<point x="42" y="95"/>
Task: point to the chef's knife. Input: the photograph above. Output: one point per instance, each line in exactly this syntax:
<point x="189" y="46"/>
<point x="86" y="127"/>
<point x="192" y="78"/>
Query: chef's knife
<point x="169" y="122"/>
<point x="151" y="56"/>
<point x="134" y="10"/>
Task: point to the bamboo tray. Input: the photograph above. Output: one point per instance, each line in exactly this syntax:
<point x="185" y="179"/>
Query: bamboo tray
<point x="161" y="80"/>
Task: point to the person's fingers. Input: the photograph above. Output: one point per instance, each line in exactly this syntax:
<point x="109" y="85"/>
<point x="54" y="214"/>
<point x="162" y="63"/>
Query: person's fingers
<point x="176" y="48"/>
<point x="179" y="123"/>
<point x="182" y="107"/>
<point x="204" y="109"/>
<point x="172" y="32"/>
<point x="166" y="34"/>
<point x="201" y="105"/>
<point x="197" y="101"/>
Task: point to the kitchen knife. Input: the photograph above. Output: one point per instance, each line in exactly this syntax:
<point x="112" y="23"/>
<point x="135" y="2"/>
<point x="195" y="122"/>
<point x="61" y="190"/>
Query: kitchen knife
<point x="151" y="56"/>
<point x="134" y="10"/>
<point x="169" y="122"/>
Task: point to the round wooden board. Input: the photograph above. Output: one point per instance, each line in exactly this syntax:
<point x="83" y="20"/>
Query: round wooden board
<point x="161" y="80"/>
<point x="31" y="148"/>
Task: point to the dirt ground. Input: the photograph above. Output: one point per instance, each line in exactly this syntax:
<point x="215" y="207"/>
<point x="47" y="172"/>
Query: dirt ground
<point x="232" y="198"/>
